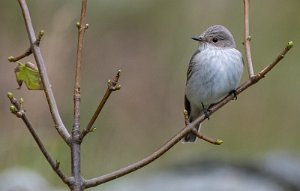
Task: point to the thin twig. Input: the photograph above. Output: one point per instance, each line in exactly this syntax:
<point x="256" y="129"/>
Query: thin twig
<point x="81" y="32"/>
<point x="198" y="134"/>
<point x="206" y="138"/>
<point x="19" y="112"/>
<point x="60" y="127"/>
<point x="28" y="52"/>
<point x="75" y="145"/>
<point x="279" y="57"/>
<point x="135" y="166"/>
<point x="112" y="85"/>
<point x="247" y="39"/>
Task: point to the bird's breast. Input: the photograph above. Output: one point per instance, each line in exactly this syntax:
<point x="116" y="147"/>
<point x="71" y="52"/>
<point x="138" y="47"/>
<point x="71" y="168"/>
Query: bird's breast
<point x="215" y="72"/>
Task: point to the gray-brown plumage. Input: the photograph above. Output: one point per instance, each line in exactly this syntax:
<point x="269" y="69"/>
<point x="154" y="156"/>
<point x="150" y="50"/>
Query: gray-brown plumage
<point x="214" y="70"/>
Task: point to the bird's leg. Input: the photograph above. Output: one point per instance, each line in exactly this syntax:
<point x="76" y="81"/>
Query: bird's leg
<point x="234" y="94"/>
<point x="205" y="111"/>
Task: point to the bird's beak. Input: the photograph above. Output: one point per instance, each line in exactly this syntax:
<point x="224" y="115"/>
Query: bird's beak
<point x="198" y="38"/>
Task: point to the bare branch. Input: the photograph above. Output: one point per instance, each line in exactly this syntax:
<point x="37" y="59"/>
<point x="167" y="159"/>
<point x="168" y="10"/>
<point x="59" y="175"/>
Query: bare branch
<point x="135" y="166"/>
<point x="279" y="57"/>
<point x="207" y="139"/>
<point x="112" y="85"/>
<point x="25" y="54"/>
<point x="60" y="127"/>
<point x="76" y="182"/>
<point x="247" y="39"/>
<point x="75" y="145"/>
<point x="198" y="134"/>
<point x="20" y="113"/>
<point x="28" y="52"/>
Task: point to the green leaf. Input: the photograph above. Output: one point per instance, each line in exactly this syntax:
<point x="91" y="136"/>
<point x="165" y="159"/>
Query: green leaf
<point x="29" y="74"/>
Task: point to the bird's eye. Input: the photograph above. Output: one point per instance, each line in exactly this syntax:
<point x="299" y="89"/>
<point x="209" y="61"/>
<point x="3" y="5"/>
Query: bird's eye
<point x="215" y="40"/>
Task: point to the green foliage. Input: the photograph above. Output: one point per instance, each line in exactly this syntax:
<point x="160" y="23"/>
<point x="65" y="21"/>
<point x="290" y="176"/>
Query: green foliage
<point x="29" y="74"/>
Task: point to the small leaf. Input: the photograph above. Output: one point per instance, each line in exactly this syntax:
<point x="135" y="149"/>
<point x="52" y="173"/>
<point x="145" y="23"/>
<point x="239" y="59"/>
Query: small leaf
<point x="29" y="74"/>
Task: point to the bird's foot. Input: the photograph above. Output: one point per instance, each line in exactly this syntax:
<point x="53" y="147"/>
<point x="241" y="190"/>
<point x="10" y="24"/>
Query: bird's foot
<point x="206" y="111"/>
<point x="234" y="94"/>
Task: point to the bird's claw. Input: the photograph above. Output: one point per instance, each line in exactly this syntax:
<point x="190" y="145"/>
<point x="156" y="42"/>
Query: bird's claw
<point x="234" y="94"/>
<point x="206" y="111"/>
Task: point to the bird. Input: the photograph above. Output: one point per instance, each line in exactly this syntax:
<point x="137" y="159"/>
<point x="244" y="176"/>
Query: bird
<point x="214" y="71"/>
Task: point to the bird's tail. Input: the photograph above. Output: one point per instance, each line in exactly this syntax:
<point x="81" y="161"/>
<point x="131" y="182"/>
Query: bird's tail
<point x="191" y="137"/>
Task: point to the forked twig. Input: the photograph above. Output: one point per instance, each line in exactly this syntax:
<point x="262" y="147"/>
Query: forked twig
<point x="76" y="143"/>
<point x="198" y="134"/>
<point x="135" y="166"/>
<point x="60" y="127"/>
<point x="28" y="52"/>
<point x="16" y="108"/>
<point x="76" y="182"/>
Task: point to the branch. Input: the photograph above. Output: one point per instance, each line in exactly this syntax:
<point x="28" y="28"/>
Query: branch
<point x="16" y="108"/>
<point x="112" y="85"/>
<point x="60" y="127"/>
<point x="81" y="30"/>
<point x="75" y="145"/>
<point x="28" y="52"/>
<point x="76" y="182"/>
<point x="205" y="138"/>
<point x="275" y="62"/>
<point x="25" y="54"/>
<point x="137" y="165"/>
<point x="247" y="39"/>
<point x="198" y="134"/>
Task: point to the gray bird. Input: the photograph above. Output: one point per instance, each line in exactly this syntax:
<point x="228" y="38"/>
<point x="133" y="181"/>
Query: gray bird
<point x="214" y="71"/>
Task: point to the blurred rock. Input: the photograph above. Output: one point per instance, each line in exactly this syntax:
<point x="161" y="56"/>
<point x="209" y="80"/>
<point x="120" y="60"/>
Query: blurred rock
<point x="283" y="168"/>
<point x="272" y="173"/>
<point x="20" y="179"/>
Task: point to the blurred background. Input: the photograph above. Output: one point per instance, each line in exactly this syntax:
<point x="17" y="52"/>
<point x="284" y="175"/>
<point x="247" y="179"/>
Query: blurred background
<point x="150" y="41"/>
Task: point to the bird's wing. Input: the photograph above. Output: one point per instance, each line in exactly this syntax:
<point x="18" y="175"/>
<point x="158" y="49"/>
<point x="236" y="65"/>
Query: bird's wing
<point x="191" y="65"/>
<point x="187" y="105"/>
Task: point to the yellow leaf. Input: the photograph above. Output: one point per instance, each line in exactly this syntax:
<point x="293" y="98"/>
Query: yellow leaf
<point x="29" y="74"/>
